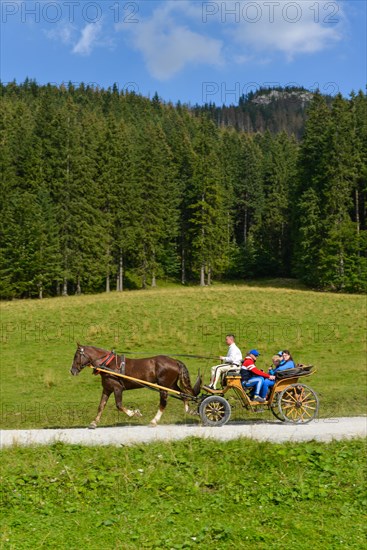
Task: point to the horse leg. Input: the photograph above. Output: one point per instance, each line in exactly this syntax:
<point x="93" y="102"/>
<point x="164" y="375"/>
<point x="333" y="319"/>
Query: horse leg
<point x="176" y="387"/>
<point x="162" y="406"/>
<point x="118" y="400"/>
<point x="192" y="412"/>
<point x="102" y="404"/>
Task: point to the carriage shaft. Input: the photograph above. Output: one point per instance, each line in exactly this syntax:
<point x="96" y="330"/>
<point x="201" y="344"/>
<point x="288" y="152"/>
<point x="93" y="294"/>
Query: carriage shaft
<point x="157" y="387"/>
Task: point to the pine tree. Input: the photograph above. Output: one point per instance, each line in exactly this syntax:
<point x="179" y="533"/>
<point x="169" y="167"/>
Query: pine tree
<point x="341" y="176"/>
<point x="29" y="246"/>
<point x="273" y="256"/>
<point x="308" y="199"/>
<point x="249" y="194"/>
<point x="156" y="202"/>
<point x="120" y="206"/>
<point x="208" y="216"/>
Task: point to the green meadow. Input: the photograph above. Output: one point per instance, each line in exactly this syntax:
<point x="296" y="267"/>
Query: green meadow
<point x="189" y="494"/>
<point x="39" y="341"/>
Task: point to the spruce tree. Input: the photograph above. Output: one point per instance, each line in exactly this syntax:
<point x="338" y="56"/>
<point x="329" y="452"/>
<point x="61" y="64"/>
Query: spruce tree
<point x="207" y="205"/>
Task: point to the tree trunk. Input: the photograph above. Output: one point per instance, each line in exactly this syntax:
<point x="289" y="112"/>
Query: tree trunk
<point x="108" y="256"/>
<point x="209" y="276"/>
<point x="183" y="268"/>
<point x="144" y="275"/>
<point x="117" y="283"/>
<point x="202" y="275"/>
<point x="357" y="211"/>
<point x="358" y="224"/>
<point x="154" y="282"/>
<point x="78" y="287"/>
<point x="65" y="287"/>
<point x="341" y="268"/>
<point x="40" y="291"/>
<point x="245" y="227"/>
<point x="121" y="273"/>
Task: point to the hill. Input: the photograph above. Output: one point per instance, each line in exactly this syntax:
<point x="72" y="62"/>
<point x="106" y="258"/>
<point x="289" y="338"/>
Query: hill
<point x="39" y="341"/>
<point x="268" y="109"/>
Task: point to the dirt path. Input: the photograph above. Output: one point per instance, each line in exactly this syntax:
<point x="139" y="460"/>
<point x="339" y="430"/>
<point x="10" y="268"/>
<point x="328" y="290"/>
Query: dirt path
<point x="324" y="429"/>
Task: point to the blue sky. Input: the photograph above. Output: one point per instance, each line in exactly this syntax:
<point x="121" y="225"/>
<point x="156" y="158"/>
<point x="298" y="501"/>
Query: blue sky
<point x="187" y="50"/>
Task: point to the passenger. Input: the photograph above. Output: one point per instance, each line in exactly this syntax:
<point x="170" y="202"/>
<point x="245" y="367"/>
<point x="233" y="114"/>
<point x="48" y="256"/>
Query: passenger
<point x="253" y="377"/>
<point x="231" y="360"/>
<point x="277" y="361"/>
<point x="268" y="383"/>
<point x="286" y="362"/>
<point x="282" y="361"/>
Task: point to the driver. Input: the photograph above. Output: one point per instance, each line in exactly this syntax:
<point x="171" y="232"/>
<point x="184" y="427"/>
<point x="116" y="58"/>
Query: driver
<point x="232" y="359"/>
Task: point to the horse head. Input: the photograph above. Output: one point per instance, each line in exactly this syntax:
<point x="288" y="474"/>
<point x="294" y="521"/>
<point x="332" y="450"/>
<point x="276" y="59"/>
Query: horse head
<point x="81" y="360"/>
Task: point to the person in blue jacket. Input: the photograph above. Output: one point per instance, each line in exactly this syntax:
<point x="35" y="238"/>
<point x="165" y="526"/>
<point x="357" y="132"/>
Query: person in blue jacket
<point x="285" y="362"/>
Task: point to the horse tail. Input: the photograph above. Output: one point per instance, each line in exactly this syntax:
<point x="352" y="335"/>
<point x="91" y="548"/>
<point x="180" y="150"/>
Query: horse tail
<point x="185" y="382"/>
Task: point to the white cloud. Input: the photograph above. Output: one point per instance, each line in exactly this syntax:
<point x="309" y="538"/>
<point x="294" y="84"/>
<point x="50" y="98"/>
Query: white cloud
<point x="64" y="33"/>
<point x="89" y="38"/>
<point x="293" y="28"/>
<point x="179" y="34"/>
<point x="168" y="47"/>
<point x="82" y="42"/>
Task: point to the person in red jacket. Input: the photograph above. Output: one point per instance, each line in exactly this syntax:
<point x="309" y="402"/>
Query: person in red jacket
<point x="253" y="377"/>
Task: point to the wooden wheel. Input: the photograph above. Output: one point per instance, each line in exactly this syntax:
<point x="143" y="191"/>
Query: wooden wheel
<point x="275" y="408"/>
<point x="214" y="411"/>
<point x="298" y="404"/>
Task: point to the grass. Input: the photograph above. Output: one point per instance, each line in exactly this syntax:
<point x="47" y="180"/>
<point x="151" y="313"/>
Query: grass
<point x="189" y="494"/>
<point x="39" y="342"/>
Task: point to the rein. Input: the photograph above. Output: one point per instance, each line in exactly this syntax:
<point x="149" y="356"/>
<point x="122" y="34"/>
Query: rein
<point x="171" y="354"/>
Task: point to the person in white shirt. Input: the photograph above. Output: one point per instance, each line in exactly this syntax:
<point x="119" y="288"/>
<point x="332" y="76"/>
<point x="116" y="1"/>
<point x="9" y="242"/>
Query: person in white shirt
<point x="232" y="360"/>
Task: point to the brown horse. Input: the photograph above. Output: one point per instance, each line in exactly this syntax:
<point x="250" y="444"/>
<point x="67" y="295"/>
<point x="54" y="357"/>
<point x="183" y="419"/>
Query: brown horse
<point x="162" y="370"/>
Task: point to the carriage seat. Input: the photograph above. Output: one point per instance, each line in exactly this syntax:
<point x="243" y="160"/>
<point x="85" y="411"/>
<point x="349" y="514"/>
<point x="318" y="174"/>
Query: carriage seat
<point x="234" y="372"/>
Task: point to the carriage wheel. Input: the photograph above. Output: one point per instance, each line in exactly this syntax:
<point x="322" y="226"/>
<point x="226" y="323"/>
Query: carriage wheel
<point x="275" y="408"/>
<point x="214" y="411"/>
<point x="298" y="404"/>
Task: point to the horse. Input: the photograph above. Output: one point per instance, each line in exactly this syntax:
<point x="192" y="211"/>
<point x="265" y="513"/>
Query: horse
<point x="161" y="369"/>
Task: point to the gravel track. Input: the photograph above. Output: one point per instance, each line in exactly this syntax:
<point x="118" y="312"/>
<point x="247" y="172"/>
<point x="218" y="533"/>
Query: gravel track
<point x="324" y="429"/>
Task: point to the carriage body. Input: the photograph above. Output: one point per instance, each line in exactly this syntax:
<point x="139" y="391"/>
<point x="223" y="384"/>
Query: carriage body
<point x="289" y="400"/>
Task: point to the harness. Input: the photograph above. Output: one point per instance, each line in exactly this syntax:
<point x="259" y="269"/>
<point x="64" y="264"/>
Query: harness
<point x="105" y="361"/>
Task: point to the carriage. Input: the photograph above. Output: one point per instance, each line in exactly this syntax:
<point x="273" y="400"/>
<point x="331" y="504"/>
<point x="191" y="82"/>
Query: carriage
<point x="289" y="400"/>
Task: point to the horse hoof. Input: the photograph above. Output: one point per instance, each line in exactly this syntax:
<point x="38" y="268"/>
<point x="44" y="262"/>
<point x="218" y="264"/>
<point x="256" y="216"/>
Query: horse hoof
<point x="137" y="413"/>
<point x="152" y="424"/>
<point x="92" y="426"/>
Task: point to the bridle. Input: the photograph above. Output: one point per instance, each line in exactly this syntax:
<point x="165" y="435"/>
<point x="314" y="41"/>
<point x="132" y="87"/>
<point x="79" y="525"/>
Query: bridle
<point x="105" y="361"/>
<point x="82" y="353"/>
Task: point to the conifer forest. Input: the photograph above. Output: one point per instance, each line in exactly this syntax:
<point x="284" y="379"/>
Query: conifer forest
<point x="106" y="190"/>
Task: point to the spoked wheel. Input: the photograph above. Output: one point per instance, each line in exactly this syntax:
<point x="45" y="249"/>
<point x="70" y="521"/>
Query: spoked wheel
<point x="214" y="411"/>
<point x="275" y="408"/>
<point x="298" y="404"/>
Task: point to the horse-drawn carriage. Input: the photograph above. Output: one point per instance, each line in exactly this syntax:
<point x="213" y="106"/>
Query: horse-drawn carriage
<point x="289" y="400"/>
